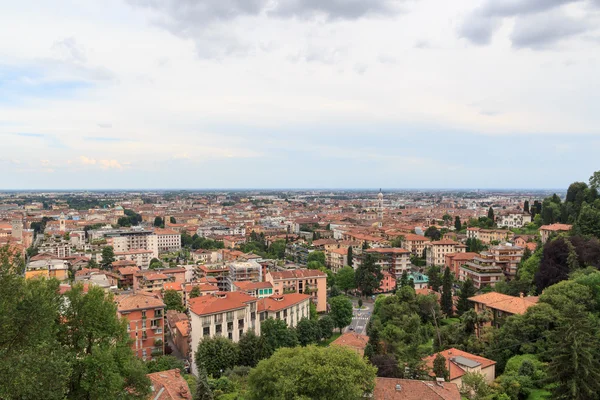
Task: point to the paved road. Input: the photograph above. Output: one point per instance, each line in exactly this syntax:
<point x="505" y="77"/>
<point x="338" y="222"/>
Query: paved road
<point x="360" y="318"/>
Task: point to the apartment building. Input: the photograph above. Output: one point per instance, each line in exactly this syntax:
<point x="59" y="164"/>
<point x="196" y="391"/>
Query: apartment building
<point x="415" y="244"/>
<point x="255" y="289"/>
<point x="488" y="236"/>
<point x="168" y="240"/>
<point x="227" y="314"/>
<point x="436" y="251"/>
<point x="60" y="250"/>
<point x="304" y="281"/>
<point x="482" y="271"/>
<point x="217" y="275"/>
<point x="124" y="240"/>
<point x="336" y="259"/>
<point x="459" y="363"/>
<point x="144" y="313"/>
<point x="501" y="306"/>
<point x="507" y="257"/>
<point x="513" y="220"/>
<point x="140" y="257"/>
<point x="395" y="260"/>
<point x="547" y="230"/>
<point x="291" y="308"/>
<point x="244" y="271"/>
<point x="455" y="260"/>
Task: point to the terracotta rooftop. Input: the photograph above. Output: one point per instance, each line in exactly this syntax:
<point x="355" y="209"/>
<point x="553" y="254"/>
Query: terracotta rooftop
<point x="281" y="301"/>
<point x="555" y="227"/>
<point x="128" y="270"/>
<point x="138" y="301"/>
<point x="445" y="242"/>
<point x="413" y="237"/>
<point x="406" y="389"/>
<point x="506" y="303"/>
<point x="298" y="274"/>
<point x="353" y="340"/>
<point x="219" y="302"/>
<point x="248" y="285"/>
<point x="169" y="385"/>
<point x="383" y="250"/>
<point x="455" y="359"/>
<point x="160" y="231"/>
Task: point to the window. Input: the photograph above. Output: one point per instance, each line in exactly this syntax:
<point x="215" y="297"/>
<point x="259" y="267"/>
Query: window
<point x="143" y="314"/>
<point x="144" y="324"/>
<point x="230" y="336"/>
<point x="206" y="331"/>
<point x="241" y="332"/>
<point x="230" y="316"/>
<point x="219" y="328"/>
<point x="277" y="315"/>
<point x="263" y="316"/>
<point x="229" y="326"/>
<point x="240" y="323"/>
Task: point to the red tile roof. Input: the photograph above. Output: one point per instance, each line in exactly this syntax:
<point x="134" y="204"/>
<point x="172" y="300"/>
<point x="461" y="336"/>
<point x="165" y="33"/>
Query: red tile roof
<point x="454" y="367"/>
<point x="219" y="302"/>
<point x="506" y="303"/>
<point x="556" y="227"/>
<point x="353" y="340"/>
<point x="169" y="385"/>
<point x="281" y="301"/>
<point x="384" y="250"/>
<point x="138" y="301"/>
<point x="298" y="274"/>
<point x="387" y="389"/>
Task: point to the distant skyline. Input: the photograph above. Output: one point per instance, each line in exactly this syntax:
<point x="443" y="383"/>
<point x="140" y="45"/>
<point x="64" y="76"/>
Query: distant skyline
<point x="135" y="94"/>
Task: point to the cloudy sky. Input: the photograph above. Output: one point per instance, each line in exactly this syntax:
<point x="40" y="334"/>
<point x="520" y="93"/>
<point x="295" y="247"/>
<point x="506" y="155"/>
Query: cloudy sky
<point x="299" y="93"/>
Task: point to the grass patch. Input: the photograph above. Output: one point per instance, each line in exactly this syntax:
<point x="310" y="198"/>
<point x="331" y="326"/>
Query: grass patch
<point x="539" y="394"/>
<point x="325" y="343"/>
<point x="450" y="321"/>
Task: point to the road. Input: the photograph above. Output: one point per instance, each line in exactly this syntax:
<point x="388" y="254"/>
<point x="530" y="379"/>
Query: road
<point x="360" y="318"/>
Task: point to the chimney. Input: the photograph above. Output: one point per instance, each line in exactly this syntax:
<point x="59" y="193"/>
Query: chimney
<point x="521" y="294"/>
<point x="439" y="381"/>
<point x="398" y="388"/>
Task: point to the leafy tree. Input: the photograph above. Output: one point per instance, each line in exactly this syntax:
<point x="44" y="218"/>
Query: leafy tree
<point x="173" y="300"/>
<point x="526" y="206"/>
<point x="313" y="311"/>
<point x="457" y="223"/>
<point x="315" y="265"/>
<point x="368" y="275"/>
<point x="165" y="363"/>
<point x="251" y="349"/>
<point x="345" y="279"/>
<point x="435" y="281"/>
<point x="103" y="364"/>
<point x="360" y="303"/>
<point x="92" y="264"/>
<point x="447" y="218"/>
<point x="467" y="290"/>
<point x="439" y="367"/>
<point x="155" y="263"/>
<point x="326" y="326"/>
<point x="334" y="291"/>
<point x="490" y="214"/>
<point x="403" y="279"/>
<point x="595" y="180"/>
<point x="276" y="334"/>
<point x="108" y="257"/>
<point x="172" y="220"/>
<point x="316" y="256"/>
<point x="319" y="373"/>
<point x="195" y="292"/>
<point x="203" y="391"/>
<point x="387" y="365"/>
<point x="474" y="386"/>
<point x="446" y="301"/>
<point x="350" y="256"/>
<point x="574" y="365"/>
<point x="341" y="311"/>
<point x="433" y="233"/>
<point x="308" y="331"/>
<point x="217" y="354"/>
<point x="588" y="222"/>
<point x="277" y="249"/>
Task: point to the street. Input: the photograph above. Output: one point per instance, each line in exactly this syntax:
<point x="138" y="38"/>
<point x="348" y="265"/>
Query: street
<point x="360" y="318"/>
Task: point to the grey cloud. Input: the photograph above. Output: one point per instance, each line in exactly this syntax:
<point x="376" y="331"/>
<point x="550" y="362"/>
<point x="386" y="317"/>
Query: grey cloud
<point x="538" y="24"/>
<point x="335" y="9"/>
<point x="69" y="49"/>
<point x="104" y="125"/>
<point x="387" y="59"/>
<point x="543" y="30"/>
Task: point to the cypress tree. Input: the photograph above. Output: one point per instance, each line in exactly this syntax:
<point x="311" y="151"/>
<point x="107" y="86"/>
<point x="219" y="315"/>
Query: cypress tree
<point x="203" y="391"/>
<point x="350" y="256"/>
<point x="447" y="293"/>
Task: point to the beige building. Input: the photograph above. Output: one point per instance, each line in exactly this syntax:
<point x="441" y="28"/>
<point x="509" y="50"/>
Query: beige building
<point x="168" y="240"/>
<point x="459" y="362"/>
<point x="395" y="260"/>
<point x="513" y="220"/>
<point x="547" y="230"/>
<point x="290" y="308"/>
<point x="140" y="257"/>
<point x="415" y="244"/>
<point x="304" y="281"/>
<point x="490" y="235"/>
<point x="336" y="259"/>
<point x="436" y="251"/>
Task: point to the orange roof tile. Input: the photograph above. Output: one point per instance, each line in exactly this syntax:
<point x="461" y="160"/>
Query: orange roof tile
<point x="281" y="302"/>
<point x="353" y="340"/>
<point x="138" y="301"/>
<point x="454" y="366"/>
<point x="506" y="303"/>
<point x="298" y="274"/>
<point x="219" y="302"/>
<point x="387" y="389"/>
<point x="169" y="385"/>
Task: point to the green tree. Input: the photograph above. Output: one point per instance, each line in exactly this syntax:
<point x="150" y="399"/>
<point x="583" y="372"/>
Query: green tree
<point x="433" y="233"/>
<point x="474" y="386"/>
<point x="203" y="391"/>
<point x="103" y="364"/>
<point x="345" y="279"/>
<point x="350" y="256"/>
<point x="326" y="326"/>
<point x="155" y="263"/>
<point x="319" y="373"/>
<point x="467" y="290"/>
<point x="315" y="265"/>
<point x="457" y="223"/>
<point x="251" y="349"/>
<point x="588" y="222"/>
<point x="341" y="311"/>
<point x="217" y="354"/>
<point x="368" y="275"/>
<point x="446" y="301"/>
<point x="172" y="220"/>
<point x="574" y="365"/>
<point x="403" y="279"/>
<point x="439" y="367"/>
<point x="173" y="300"/>
<point x="92" y="264"/>
<point x="108" y="257"/>
<point x="526" y="206"/>
<point x="435" y="281"/>
<point x="195" y="292"/>
<point x="316" y="256"/>
<point x="595" y="180"/>
<point x="308" y="331"/>
<point x="276" y="334"/>
<point x="490" y="214"/>
<point x="165" y="363"/>
<point x="313" y="311"/>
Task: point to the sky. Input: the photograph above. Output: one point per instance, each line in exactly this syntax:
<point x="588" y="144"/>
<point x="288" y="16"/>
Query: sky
<point x="133" y="94"/>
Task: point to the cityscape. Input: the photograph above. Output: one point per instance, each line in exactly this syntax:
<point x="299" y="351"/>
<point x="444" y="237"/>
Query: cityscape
<point x="300" y="200"/>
